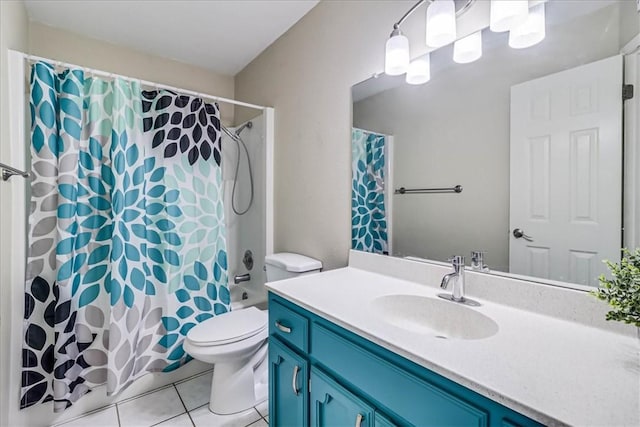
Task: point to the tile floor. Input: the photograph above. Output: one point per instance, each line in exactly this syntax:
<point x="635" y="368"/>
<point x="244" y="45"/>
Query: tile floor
<point x="182" y="404"/>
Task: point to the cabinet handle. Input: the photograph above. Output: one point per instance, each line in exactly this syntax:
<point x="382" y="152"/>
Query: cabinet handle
<point x="294" y="382"/>
<point x="359" y="419"/>
<point x="283" y="328"/>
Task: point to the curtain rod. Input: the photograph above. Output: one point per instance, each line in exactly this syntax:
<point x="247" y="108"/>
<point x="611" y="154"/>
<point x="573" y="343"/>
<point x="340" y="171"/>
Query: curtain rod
<point x="29" y="57"/>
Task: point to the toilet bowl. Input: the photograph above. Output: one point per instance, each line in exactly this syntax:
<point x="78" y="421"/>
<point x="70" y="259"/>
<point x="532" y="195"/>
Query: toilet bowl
<point x="236" y="344"/>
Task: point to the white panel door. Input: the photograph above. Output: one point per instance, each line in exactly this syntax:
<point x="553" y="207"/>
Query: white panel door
<point x="566" y="179"/>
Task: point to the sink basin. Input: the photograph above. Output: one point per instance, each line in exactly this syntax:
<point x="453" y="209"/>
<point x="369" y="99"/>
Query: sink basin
<point x="433" y="316"/>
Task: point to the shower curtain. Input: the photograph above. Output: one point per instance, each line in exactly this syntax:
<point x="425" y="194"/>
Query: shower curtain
<point x="368" y="219"/>
<point x="127" y="248"/>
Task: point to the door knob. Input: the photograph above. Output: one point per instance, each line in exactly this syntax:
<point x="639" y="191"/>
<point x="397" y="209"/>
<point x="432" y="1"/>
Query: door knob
<point x="519" y="234"/>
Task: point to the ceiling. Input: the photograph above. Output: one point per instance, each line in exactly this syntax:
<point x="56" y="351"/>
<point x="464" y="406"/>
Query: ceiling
<point x="220" y="35"/>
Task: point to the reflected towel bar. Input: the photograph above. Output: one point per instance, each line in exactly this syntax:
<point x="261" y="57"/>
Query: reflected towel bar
<point x="8" y="172"/>
<point x="402" y="190"/>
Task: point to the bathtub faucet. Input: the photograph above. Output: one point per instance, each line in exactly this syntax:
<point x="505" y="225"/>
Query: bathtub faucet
<point x="239" y="278"/>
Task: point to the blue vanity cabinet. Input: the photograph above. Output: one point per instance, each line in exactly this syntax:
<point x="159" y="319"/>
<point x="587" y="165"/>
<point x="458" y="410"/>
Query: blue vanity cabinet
<point x="356" y="382"/>
<point x="288" y="386"/>
<point x="333" y="405"/>
<point x="381" y="421"/>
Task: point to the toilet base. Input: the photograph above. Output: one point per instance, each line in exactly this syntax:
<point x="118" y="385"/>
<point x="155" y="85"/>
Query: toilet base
<point x="237" y="419"/>
<point x="238" y="386"/>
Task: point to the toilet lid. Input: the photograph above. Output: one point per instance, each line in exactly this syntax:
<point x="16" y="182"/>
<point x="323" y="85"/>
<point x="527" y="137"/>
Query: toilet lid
<point x="229" y="327"/>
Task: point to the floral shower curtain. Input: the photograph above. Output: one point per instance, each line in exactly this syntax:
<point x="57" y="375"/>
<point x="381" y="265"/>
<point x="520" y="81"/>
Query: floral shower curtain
<point x="127" y="248"/>
<point x="368" y="219"/>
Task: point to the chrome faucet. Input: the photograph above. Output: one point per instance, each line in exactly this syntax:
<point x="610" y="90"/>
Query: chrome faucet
<point x="239" y="278"/>
<point x="457" y="261"/>
<point x="477" y="261"/>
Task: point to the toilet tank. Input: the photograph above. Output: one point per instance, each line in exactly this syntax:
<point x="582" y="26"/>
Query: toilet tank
<point x="285" y="265"/>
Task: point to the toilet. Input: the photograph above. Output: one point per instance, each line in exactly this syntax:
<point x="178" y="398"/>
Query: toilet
<point x="236" y="343"/>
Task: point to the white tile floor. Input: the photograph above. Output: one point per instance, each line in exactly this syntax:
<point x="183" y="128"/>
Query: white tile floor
<point x="183" y="404"/>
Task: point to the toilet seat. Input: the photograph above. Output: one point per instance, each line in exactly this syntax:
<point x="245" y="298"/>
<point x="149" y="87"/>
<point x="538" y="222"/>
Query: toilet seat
<point x="228" y="328"/>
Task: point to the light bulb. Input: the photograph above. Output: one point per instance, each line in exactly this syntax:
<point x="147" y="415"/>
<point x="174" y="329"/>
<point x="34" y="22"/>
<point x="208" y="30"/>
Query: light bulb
<point x="468" y="49"/>
<point x="507" y="14"/>
<point x="531" y="32"/>
<point x="396" y="60"/>
<point x="441" y="23"/>
<point x="419" y="71"/>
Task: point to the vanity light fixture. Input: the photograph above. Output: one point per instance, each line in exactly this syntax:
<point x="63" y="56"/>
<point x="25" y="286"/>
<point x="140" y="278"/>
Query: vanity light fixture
<point x="526" y="28"/>
<point x="468" y="49"/>
<point x="419" y="70"/>
<point x="507" y="14"/>
<point x="397" y="56"/>
<point x="531" y="32"/>
<point x="441" y="23"/>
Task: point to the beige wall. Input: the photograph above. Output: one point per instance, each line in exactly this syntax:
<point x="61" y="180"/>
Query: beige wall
<point x="307" y="76"/>
<point x="13" y="35"/>
<point x="70" y="47"/>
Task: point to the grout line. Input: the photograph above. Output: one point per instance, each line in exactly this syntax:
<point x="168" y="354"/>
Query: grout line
<point x="183" y="405"/>
<point x="255" y="423"/>
<point x="86" y="414"/>
<point x="168" y="419"/>
<point x="208" y="371"/>
<point x="180" y="397"/>
<point x="191" y="419"/>
<point x="129" y="399"/>
<point x="118" y="415"/>
<point x="198" y="407"/>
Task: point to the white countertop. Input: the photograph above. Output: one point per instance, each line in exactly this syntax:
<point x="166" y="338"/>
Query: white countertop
<point x="554" y="371"/>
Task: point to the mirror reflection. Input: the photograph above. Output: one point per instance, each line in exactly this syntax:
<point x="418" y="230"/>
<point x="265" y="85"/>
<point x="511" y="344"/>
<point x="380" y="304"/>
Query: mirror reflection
<point x="534" y="137"/>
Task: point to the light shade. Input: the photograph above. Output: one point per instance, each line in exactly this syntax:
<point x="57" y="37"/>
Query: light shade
<point x="531" y="32"/>
<point x="396" y="59"/>
<point x="507" y="14"/>
<point x="468" y="49"/>
<point x="419" y="71"/>
<point x="441" y="23"/>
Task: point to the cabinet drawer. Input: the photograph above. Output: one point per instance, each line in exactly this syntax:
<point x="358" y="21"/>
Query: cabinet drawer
<point x="420" y="403"/>
<point x="289" y="326"/>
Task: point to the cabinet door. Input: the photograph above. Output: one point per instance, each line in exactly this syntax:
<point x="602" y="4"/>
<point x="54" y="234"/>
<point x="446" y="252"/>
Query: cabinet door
<point x="288" y="387"/>
<point x="334" y="406"/>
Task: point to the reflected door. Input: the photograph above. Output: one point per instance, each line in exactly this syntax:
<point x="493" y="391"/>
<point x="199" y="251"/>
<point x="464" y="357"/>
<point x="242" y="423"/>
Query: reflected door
<point x="566" y="179"/>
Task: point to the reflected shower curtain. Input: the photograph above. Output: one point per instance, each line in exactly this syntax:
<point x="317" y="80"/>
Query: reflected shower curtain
<point x="127" y="248"/>
<point x="368" y="219"/>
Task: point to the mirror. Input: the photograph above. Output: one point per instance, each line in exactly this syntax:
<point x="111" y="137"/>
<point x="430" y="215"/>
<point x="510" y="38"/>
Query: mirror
<point x="533" y="136"/>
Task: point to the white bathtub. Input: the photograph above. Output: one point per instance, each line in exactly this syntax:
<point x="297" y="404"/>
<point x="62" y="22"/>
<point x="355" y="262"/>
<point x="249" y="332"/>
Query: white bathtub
<point x="252" y="298"/>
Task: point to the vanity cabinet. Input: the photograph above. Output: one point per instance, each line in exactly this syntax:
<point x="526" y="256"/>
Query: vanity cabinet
<point x="354" y="382"/>
<point x="289" y="380"/>
<point x="333" y="405"/>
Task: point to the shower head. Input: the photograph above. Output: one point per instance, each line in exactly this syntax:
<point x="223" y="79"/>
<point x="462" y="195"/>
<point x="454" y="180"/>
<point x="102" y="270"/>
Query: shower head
<point x="241" y="128"/>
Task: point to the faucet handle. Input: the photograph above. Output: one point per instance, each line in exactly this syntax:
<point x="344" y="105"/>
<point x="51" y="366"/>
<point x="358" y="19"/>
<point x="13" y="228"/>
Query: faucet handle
<point x="477" y="257"/>
<point x="457" y="260"/>
<point x="477" y="260"/>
